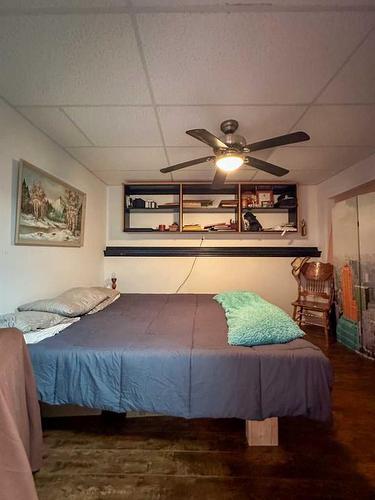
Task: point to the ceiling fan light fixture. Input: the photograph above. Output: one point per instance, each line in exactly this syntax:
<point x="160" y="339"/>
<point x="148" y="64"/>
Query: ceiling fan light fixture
<point x="229" y="161"/>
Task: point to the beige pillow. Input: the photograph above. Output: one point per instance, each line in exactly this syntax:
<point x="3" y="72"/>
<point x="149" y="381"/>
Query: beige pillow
<point x="28" y="321"/>
<point x="72" y="303"/>
<point x="107" y="302"/>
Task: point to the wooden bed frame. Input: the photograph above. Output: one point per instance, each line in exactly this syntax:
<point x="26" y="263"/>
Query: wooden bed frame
<point x="258" y="432"/>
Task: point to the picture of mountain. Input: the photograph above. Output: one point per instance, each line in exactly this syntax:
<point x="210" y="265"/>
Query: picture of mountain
<point x="49" y="211"/>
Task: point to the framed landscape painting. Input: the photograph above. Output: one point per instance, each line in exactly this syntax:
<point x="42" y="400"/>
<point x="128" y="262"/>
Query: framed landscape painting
<point x="49" y="211"/>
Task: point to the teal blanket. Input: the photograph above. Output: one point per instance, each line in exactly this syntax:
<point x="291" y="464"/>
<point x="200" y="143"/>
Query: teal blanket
<point x="254" y="321"/>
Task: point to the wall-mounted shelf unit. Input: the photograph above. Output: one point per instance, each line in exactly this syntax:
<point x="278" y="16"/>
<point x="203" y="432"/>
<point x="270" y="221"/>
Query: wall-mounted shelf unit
<point x="197" y="207"/>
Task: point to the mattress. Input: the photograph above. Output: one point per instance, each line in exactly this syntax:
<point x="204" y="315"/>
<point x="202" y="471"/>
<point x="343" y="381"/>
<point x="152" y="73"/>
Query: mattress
<point x="169" y="354"/>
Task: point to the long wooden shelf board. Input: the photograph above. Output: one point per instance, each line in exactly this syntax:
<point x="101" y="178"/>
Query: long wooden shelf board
<point x="118" y="251"/>
<point x="205" y="210"/>
<point x="268" y="209"/>
<point x="151" y="230"/>
<point x="146" y="210"/>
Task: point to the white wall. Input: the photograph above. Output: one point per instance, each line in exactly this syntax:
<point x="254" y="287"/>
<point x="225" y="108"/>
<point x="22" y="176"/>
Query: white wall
<point x="27" y="272"/>
<point x="270" y="277"/>
<point x="348" y="179"/>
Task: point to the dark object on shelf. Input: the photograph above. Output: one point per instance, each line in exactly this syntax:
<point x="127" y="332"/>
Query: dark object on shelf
<point x="303" y="228"/>
<point x="251" y="222"/>
<point x="174" y="227"/>
<point x="286" y="201"/>
<point x="212" y="251"/>
<point x="161" y="227"/>
<point x="138" y="203"/>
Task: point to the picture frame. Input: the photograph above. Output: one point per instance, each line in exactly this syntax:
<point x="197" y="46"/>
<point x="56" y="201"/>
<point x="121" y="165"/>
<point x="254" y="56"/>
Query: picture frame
<point x="50" y="212"/>
<point x="265" y="197"/>
<point x="267" y="204"/>
<point x="252" y="200"/>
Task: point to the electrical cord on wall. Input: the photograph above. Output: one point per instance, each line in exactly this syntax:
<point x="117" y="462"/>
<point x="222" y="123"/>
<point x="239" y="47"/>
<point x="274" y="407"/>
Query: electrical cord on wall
<point x="191" y="269"/>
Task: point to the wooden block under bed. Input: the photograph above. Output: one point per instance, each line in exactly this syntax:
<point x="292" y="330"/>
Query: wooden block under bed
<point x="263" y="432"/>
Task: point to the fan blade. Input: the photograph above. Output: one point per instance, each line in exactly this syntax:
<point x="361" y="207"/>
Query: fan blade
<point x="205" y="136"/>
<point x="219" y="179"/>
<point x="266" y="167"/>
<point x="185" y="164"/>
<point x="281" y="140"/>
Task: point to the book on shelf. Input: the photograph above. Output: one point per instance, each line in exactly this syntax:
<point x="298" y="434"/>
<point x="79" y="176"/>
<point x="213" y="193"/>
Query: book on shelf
<point x="172" y="204"/>
<point x="192" y="227"/>
<point x="197" y="203"/>
<point x="228" y="204"/>
<point x="223" y="226"/>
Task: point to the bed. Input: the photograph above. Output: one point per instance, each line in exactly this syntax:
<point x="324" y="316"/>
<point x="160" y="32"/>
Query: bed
<point x="168" y="354"/>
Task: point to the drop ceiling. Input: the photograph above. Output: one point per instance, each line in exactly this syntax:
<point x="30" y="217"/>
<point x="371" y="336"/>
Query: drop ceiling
<point x="117" y="83"/>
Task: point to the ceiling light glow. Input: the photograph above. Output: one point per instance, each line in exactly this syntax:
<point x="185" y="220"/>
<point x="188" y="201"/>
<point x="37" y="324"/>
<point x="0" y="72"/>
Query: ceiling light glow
<point x="229" y="162"/>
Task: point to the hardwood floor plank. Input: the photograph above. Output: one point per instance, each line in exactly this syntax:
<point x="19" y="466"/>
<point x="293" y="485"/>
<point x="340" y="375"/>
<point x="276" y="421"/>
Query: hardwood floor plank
<point x="165" y="458"/>
<point x="175" y="488"/>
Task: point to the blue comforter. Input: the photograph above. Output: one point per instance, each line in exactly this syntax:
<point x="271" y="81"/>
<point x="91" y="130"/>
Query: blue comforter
<point x="169" y="354"/>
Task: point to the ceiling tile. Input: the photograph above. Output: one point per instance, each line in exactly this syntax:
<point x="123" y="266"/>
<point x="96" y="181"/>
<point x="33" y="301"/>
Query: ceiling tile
<point x="58" y="4"/>
<point x="312" y="4"/>
<point x="115" y="178"/>
<point x="179" y="155"/>
<point x="319" y="158"/>
<point x="247" y="58"/>
<point x="340" y="125"/>
<point x="135" y="159"/>
<point x="255" y="122"/>
<point x="242" y="175"/>
<point x="207" y="174"/>
<point x="71" y="59"/>
<point x="356" y="81"/>
<point x="57" y="125"/>
<point x="21" y="5"/>
<point x="117" y="126"/>
<point x="298" y="176"/>
<point x="194" y="175"/>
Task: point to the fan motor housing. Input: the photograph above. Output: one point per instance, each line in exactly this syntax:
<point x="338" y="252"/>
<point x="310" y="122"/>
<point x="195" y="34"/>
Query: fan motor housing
<point x="229" y="127"/>
<point x="234" y="140"/>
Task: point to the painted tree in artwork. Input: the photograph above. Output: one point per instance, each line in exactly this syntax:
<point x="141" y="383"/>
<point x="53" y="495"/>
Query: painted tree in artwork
<point x="72" y="204"/>
<point x="38" y="200"/>
<point x="25" y="198"/>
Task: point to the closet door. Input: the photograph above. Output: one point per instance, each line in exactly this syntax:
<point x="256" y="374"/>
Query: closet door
<point x="366" y="220"/>
<point x="347" y="271"/>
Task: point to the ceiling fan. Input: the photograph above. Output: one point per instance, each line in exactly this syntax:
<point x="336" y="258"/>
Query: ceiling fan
<point x="231" y="151"/>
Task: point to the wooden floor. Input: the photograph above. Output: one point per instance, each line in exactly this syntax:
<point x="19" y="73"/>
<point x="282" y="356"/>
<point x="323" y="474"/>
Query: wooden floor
<point x="169" y="458"/>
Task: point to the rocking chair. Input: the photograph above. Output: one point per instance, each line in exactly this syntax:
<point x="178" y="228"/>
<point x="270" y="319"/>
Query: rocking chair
<point x="315" y="295"/>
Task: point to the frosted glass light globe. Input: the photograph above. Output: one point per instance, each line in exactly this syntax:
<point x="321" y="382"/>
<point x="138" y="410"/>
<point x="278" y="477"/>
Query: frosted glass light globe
<point x="229" y="162"/>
